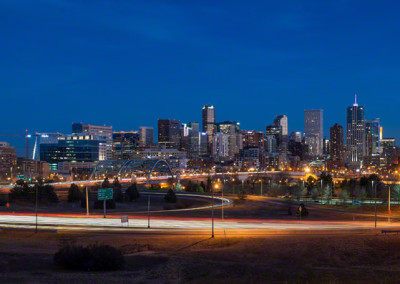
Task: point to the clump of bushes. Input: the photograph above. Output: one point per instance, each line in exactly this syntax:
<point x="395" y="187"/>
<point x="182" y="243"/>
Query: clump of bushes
<point x="25" y="192"/>
<point x="131" y="193"/>
<point x="95" y="257"/>
<point x="74" y="193"/>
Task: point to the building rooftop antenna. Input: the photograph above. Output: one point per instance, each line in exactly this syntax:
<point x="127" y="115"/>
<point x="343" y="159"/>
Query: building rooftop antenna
<point x="355" y="100"/>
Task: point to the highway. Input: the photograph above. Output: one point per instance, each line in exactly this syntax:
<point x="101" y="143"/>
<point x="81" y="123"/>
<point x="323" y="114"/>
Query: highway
<point x="169" y="224"/>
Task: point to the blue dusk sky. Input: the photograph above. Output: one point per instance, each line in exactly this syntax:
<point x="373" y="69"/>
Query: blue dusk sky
<point x="128" y="63"/>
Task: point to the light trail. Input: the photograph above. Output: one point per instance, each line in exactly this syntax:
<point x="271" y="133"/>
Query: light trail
<point x="82" y="223"/>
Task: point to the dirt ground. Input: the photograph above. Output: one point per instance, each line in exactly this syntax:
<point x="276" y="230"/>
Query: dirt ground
<point x="26" y="257"/>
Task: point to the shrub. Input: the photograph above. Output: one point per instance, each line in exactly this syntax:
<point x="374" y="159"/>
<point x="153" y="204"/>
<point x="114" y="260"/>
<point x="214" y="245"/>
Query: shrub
<point x="74" y="194"/>
<point x="93" y="257"/>
<point x="199" y="189"/>
<point x="132" y="193"/>
<point x="45" y="193"/>
<point x="170" y="197"/>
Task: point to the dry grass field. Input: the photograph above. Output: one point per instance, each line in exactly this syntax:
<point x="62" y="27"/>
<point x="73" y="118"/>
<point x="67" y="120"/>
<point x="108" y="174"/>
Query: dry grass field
<point x="319" y="258"/>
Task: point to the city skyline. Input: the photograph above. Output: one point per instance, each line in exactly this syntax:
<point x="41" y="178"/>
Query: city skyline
<point x="140" y="62"/>
<point x="19" y="143"/>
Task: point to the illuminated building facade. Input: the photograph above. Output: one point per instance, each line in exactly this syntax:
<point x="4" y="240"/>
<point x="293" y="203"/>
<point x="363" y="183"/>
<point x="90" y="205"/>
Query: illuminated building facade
<point x="313" y="129"/>
<point x="355" y="138"/>
<point x="336" y="142"/>
<point x="169" y="133"/>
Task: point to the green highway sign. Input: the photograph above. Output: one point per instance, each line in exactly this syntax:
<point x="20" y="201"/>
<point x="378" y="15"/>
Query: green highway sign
<point x="21" y="177"/>
<point x="104" y="193"/>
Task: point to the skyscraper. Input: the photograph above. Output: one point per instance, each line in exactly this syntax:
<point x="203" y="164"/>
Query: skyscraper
<point x="336" y="142"/>
<point x="146" y="135"/>
<point x="124" y="144"/>
<point x="209" y="122"/>
<point x="282" y="121"/>
<point x="313" y="129"/>
<point x="372" y="139"/>
<point x="355" y="137"/>
<point x="169" y="133"/>
<point x="230" y="128"/>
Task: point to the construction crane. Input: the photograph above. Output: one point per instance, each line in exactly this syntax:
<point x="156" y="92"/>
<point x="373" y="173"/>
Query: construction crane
<point x="26" y="135"/>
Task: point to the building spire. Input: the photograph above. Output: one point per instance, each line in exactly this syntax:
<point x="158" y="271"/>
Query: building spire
<point x="355" y="100"/>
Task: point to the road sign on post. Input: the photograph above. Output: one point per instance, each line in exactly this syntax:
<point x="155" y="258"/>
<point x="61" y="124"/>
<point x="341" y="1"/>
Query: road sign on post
<point x="104" y="194"/>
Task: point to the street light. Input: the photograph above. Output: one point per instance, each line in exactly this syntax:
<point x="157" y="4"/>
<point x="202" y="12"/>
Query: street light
<point x="212" y="209"/>
<point x="375" y="200"/>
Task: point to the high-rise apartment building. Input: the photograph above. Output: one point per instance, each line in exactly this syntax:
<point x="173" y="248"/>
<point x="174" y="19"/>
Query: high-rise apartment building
<point x="146" y="136"/>
<point x="355" y="137"/>
<point x="313" y="129"/>
<point x="169" y="133"/>
<point x="336" y="142"/>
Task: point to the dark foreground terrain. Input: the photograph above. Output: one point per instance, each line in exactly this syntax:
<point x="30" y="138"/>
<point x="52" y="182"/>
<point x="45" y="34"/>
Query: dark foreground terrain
<point x="315" y="258"/>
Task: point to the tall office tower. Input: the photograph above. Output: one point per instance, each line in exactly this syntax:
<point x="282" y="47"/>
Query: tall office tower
<point x="282" y="121"/>
<point x="146" y="136"/>
<point x="101" y="131"/>
<point x="270" y="144"/>
<point x="209" y="123"/>
<point x="125" y="144"/>
<point x="8" y="161"/>
<point x="372" y="137"/>
<point x="355" y="138"/>
<point x="169" y="133"/>
<point x="253" y="139"/>
<point x="230" y="128"/>
<point x="336" y="142"/>
<point x="192" y="135"/>
<point x="220" y="146"/>
<point x="388" y="146"/>
<point x="313" y="129"/>
<point x="276" y="131"/>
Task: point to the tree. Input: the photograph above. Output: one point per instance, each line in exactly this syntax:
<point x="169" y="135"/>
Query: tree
<point x="117" y="188"/>
<point x="74" y="194"/>
<point x="199" y="189"/>
<point x="170" y="197"/>
<point x="310" y="183"/>
<point x="209" y="185"/>
<point x="203" y="186"/>
<point x="132" y="193"/>
<point x="299" y="191"/>
<point x="326" y="179"/>
<point x="327" y="193"/>
<point x="344" y="195"/>
<point x="395" y="192"/>
<point x="178" y="187"/>
<point x="314" y="193"/>
<point x="106" y="183"/>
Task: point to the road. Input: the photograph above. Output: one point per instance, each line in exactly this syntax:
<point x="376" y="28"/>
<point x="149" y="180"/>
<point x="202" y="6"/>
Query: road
<point x="171" y="224"/>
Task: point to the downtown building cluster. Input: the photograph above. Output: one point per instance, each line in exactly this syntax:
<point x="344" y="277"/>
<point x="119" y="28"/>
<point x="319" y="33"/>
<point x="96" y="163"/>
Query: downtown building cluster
<point x="215" y="145"/>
